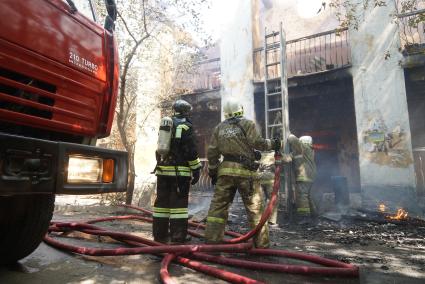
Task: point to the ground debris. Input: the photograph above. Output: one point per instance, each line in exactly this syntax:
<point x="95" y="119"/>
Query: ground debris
<point x="382" y="247"/>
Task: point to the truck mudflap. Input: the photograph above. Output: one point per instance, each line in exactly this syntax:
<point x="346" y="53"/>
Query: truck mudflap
<point x="29" y="166"/>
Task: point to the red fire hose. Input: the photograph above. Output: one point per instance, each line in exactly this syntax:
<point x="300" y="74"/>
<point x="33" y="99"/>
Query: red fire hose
<point x="183" y="253"/>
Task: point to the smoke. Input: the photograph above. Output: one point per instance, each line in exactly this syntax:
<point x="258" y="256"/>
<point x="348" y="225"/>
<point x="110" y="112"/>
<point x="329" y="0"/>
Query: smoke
<point x="268" y="4"/>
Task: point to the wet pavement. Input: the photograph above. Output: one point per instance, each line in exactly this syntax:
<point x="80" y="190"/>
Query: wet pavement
<point x="381" y="253"/>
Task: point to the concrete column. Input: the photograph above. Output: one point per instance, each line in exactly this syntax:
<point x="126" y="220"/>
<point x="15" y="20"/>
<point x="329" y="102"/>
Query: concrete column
<point x="236" y="52"/>
<point x="385" y="151"/>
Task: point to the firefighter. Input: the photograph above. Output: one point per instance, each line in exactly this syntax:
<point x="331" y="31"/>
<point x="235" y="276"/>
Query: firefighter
<point x="302" y="154"/>
<point x="235" y="139"/>
<point x="266" y="172"/>
<point x="177" y="168"/>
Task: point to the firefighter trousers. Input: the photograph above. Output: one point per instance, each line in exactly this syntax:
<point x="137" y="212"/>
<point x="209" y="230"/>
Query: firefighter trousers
<point x="303" y="200"/>
<point x="170" y="212"/>
<point x="224" y="193"/>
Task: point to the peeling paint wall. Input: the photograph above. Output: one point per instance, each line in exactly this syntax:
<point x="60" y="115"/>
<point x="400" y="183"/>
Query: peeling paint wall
<point x="386" y="162"/>
<point x="236" y="51"/>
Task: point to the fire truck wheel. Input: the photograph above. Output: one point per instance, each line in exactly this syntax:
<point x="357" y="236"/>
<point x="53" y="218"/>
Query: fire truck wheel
<point x="24" y="220"/>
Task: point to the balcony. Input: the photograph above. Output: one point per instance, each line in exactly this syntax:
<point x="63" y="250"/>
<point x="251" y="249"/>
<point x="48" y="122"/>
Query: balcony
<point x="317" y="53"/>
<point x="205" y="76"/>
<point x="312" y="54"/>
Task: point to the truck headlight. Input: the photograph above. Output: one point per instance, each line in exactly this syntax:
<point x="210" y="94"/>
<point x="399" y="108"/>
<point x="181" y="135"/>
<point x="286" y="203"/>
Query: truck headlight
<point x="90" y="170"/>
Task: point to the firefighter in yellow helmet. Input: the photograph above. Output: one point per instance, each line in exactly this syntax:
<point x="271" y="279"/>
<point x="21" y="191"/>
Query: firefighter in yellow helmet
<point x="235" y="139"/>
<point x="177" y="168"/>
<point x="305" y="172"/>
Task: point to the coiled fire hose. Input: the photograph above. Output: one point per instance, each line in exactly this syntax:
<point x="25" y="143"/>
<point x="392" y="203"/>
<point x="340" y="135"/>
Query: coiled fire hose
<point x="184" y="254"/>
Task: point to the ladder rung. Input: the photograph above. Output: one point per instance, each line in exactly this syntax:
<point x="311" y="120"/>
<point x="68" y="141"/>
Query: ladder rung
<point x="274" y="125"/>
<point x="274" y="109"/>
<point x="272" y="64"/>
<point x="274" y="94"/>
<point x="273" y="46"/>
<point x="270" y="79"/>
<point x="272" y="34"/>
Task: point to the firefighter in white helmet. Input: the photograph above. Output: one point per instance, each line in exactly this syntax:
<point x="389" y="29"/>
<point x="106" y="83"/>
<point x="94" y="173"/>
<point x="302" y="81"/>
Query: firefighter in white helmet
<point x="178" y="166"/>
<point x="266" y="177"/>
<point x="302" y="154"/>
<point x="235" y="139"/>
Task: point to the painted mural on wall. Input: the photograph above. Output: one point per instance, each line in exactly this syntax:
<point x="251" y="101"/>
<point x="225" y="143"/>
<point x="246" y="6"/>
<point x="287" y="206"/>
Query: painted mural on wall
<point x="386" y="146"/>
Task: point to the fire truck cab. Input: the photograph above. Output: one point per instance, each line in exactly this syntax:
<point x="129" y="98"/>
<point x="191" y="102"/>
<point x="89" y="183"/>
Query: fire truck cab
<point x="59" y="75"/>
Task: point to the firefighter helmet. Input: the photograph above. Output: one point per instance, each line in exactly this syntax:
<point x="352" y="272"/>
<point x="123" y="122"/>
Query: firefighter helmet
<point x="182" y="107"/>
<point x="232" y="108"/>
<point x="306" y="140"/>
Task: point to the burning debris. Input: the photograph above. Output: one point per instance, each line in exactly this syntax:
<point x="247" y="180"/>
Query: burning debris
<point x="368" y="237"/>
<point x="400" y="215"/>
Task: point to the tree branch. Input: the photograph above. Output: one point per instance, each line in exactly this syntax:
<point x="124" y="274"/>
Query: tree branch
<point x="144" y="17"/>
<point x="126" y="26"/>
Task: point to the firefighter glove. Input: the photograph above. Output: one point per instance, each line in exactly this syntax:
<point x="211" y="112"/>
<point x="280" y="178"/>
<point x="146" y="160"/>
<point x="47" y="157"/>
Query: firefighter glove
<point x="277" y="144"/>
<point x="213" y="177"/>
<point x="195" y="177"/>
<point x="257" y="155"/>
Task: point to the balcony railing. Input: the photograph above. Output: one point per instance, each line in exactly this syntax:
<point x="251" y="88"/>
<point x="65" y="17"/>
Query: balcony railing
<point x="209" y="75"/>
<point x="412" y="31"/>
<point x="205" y="75"/>
<point x="320" y="52"/>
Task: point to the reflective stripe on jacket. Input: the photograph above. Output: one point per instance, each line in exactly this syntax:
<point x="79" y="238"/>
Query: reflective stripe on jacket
<point x="195" y="164"/>
<point x="173" y="171"/>
<point x="235" y="169"/>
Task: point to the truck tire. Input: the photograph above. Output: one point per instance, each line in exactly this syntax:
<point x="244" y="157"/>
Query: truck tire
<point x="24" y="220"/>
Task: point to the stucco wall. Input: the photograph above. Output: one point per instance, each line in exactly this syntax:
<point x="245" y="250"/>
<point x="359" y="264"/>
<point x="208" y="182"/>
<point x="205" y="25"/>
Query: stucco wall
<point x="386" y="163"/>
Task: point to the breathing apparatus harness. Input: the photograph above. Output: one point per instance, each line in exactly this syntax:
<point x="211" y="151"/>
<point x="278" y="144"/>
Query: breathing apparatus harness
<point x="165" y="153"/>
<point x="247" y="163"/>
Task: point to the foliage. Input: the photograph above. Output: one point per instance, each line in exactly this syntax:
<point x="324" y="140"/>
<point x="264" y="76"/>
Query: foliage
<point x="350" y="14"/>
<point x="410" y="22"/>
<point x="155" y="40"/>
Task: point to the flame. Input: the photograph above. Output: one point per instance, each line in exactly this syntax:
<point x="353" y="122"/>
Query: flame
<point x="382" y="207"/>
<point x="400" y="215"/>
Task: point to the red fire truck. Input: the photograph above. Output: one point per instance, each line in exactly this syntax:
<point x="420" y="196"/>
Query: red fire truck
<point x="58" y="89"/>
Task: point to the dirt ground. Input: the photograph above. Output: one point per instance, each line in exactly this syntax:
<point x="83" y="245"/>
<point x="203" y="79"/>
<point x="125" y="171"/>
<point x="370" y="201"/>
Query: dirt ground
<point x="386" y="253"/>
